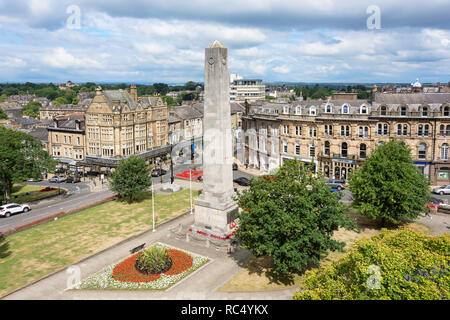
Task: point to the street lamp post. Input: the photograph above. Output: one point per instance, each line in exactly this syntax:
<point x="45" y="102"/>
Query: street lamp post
<point x="190" y="188"/>
<point x="153" y="208"/>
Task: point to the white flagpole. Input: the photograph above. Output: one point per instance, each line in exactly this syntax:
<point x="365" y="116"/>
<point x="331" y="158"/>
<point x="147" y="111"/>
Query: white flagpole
<point x="153" y="208"/>
<point x="190" y="188"/>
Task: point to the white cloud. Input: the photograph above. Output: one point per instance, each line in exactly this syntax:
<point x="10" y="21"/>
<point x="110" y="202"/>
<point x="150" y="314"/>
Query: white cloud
<point x="282" y="69"/>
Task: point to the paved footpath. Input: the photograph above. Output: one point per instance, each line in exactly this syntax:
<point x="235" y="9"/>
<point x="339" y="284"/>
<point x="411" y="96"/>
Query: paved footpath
<point x="201" y="285"/>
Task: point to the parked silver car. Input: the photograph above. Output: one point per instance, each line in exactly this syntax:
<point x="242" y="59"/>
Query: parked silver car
<point x="442" y="190"/>
<point x="12" y="208"/>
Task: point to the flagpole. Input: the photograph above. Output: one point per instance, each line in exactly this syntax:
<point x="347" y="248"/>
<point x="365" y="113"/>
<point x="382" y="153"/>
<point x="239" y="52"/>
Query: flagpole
<point x="153" y="208"/>
<point x="190" y="188"/>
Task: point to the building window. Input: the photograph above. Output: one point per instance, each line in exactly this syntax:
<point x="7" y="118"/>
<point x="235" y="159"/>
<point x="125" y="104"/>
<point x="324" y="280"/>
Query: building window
<point x="385" y="129"/>
<point x="420" y="130"/>
<point x="329" y="129"/>
<point x="326" y="148"/>
<point x="446" y="111"/>
<point x="422" y="148"/>
<point x="363" y="110"/>
<point x="345" y="109"/>
<point x="442" y="130"/>
<point x="444" y="152"/>
<point x="285" y="146"/>
<point x="362" y="151"/>
<point x="344" y="150"/>
<point x="285" y="110"/>
<point x="364" y="132"/>
<point x="312" y="150"/>
<point x="447" y="131"/>
<point x="345" y="131"/>
<point x="426" y="130"/>
<point x="297" y="148"/>
<point x="424" y="111"/>
<point x="383" y="111"/>
<point x="286" y="129"/>
<point x="298" y="110"/>
<point x="329" y="109"/>
<point x="312" y="111"/>
<point x="312" y="131"/>
<point x="405" y="130"/>
<point x="403" y="111"/>
<point x="298" y="130"/>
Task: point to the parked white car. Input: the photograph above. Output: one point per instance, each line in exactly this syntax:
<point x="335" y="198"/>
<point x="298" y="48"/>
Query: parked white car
<point x="13" y="208"/>
<point x="442" y="190"/>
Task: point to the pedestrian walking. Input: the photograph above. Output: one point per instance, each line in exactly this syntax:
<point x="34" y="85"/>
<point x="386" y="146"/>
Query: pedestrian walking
<point x="427" y="214"/>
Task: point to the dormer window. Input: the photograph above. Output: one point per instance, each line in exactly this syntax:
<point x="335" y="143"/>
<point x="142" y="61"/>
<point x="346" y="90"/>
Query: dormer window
<point x="328" y="109"/>
<point x="383" y="111"/>
<point x="312" y="111"/>
<point x="424" y="111"/>
<point x="345" y="109"/>
<point x="298" y="110"/>
<point x="285" y="110"/>
<point x="363" y="110"/>
<point x="403" y="111"/>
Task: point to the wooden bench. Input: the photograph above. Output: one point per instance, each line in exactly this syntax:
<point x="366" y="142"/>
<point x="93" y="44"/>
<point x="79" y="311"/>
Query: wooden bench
<point x="136" y="249"/>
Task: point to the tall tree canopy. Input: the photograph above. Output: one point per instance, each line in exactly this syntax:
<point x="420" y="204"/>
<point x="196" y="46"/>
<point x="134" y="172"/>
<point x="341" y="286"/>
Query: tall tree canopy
<point x="21" y="157"/>
<point x="388" y="186"/>
<point x="131" y="177"/>
<point x="291" y="217"/>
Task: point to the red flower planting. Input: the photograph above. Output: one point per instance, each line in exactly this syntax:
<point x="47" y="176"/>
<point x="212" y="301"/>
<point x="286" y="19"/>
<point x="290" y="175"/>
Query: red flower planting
<point x="180" y="262"/>
<point x="125" y="271"/>
<point x="185" y="174"/>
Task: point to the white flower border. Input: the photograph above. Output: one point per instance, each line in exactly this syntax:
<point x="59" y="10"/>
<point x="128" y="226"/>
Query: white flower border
<point x="104" y="280"/>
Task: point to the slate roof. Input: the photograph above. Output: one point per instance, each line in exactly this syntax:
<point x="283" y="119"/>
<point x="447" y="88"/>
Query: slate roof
<point x="69" y="122"/>
<point x="186" y="113"/>
<point x="40" y="134"/>
<point x="121" y="95"/>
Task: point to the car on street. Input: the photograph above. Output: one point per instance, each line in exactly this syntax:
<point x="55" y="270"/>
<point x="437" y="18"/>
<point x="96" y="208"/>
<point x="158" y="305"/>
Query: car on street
<point x="335" y="186"/>
<point x="442" y="190"/>
<point x="57" y="179"/>
<point x="158" y="172"/>
<point x="235" y="166"/>
<point x="73" y="179"/>
<point x="9" y="209"/>
<point x="242" y="181"/>
<point x="340" y="181"/>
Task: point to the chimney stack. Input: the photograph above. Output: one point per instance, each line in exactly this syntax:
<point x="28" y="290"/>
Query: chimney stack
<point x="133" y="92"/>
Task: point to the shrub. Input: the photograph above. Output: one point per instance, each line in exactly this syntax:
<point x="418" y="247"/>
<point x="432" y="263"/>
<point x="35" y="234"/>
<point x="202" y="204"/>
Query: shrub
<point x="153" y="260"/>
<point x="399" y="265"/>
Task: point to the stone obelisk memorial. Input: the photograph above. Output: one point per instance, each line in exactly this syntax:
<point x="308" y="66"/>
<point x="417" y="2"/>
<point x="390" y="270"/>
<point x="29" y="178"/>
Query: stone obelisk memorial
<point x="214" y="208"/>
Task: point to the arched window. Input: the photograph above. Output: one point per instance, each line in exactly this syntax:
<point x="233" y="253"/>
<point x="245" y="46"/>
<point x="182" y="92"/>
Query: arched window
<point x="403" y="111"/>
<point x="345" y="108"/>
<point x="405" y="129"/>
<point x="312" y="111"/>
<point x="285" y="110"/>
<point x="420" y="131"/>
<point x="424" y="111"/>
<point x="426" y="130"/>
<point x="363" y="109"/>
<point x="344" y="150"/>
<point x="444" y="152"/>
<point x="442" y="130"/>
<point x="297" y="148"/>
<point x="298" y="110"/>
<point x="326" y="171"/>
<point x="347" y="131"/>
<point x="326" y="148"/>
<point x="422" y="150"/>
<point x="312" y="150"/>
<point x="447" y="130"/>
<point x="362" y="151"/>
<point x="328" y="109"/>
<point x="285" y="146"/>
<point x="383" y="110"/>
<point x="399" y="129"/>
<point x="385" y="129"/>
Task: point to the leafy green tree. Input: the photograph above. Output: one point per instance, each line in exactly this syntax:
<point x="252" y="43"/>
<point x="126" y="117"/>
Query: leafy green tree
<point x="291" y="217"/>
<point x="131" y="178"/>
<point x="21" y="157"/>
<point x="3" y="115"/>
<point x="3" y="98"/>
<point x="394" y="265"/>
<point x="388" y="186"/>
<point x="59" y="101"/>
<point x="161" y="88"/>
<point x="190" y="86"/>
<point x="171" y="102"/>
<point x="32" y="109"/>
<point x="11" y="91"/>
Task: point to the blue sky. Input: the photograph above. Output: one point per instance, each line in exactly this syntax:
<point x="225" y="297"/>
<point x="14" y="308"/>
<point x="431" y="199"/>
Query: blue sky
<point x="163" y="41"/>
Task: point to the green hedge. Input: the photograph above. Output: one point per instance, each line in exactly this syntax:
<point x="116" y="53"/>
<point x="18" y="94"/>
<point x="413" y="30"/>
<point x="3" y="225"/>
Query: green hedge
<point x="400" y="265"/>
<point x="34" y="196"/>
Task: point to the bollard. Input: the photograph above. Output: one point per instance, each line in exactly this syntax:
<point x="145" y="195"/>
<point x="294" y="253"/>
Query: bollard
<point x="207" y="242"/>
<point x="187" y="237"/>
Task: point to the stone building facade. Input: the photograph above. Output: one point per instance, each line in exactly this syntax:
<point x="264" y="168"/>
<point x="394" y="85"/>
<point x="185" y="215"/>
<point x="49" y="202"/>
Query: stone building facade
<point x="120" y="124"/>
<point x="338" y="135"/>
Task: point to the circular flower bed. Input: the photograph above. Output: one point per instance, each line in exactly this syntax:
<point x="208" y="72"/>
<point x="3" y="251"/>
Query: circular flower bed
<point x="124" y="274"/>
<point x="126" y="270"/>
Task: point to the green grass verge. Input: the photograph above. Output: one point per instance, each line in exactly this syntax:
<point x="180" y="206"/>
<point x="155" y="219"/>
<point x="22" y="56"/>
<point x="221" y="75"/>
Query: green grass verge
<point x="19" y="194"/>
<point x="36" y="252"/>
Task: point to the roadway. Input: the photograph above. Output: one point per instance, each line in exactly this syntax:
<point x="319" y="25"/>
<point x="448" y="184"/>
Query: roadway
<point x="80" y="194"/>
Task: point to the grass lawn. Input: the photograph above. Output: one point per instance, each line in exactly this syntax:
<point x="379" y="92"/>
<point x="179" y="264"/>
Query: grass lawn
<point x="43" y="249"/>
<point x="20" y="191"/>
<point x="257" y="274"/>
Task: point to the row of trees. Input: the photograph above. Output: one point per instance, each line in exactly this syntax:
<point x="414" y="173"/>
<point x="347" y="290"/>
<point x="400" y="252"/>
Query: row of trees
<point x="291" y="216"/>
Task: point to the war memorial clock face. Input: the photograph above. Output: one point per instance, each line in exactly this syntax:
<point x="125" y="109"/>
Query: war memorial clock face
<point x="211" y="60"/>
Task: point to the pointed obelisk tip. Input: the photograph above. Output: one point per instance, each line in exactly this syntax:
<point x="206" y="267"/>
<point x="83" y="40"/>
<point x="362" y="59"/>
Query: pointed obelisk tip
<point x="216" y="44"/>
